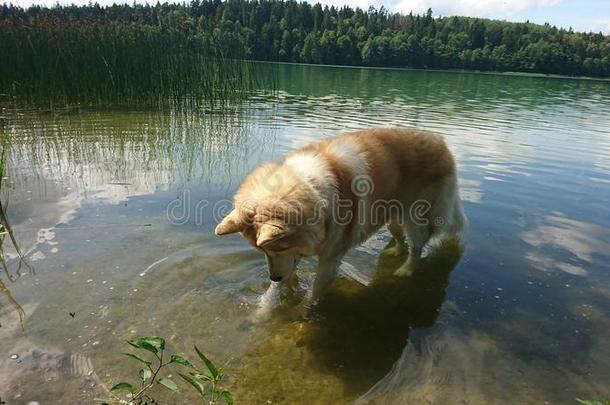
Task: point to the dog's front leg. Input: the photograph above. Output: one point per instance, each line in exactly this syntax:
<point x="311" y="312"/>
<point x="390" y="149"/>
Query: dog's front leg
<point x="276" y="294"/>
<point x="327" y="270"/>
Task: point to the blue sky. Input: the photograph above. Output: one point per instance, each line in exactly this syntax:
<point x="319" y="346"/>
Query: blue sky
<point x="583" y="15"/>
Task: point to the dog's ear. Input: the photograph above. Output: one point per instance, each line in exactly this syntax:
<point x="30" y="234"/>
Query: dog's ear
<point x="230" y="224"/>
<point x="269" y="233"/>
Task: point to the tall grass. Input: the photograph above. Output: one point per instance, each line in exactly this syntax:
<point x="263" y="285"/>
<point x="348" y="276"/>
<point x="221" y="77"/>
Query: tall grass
<point x="6" y="232"/>
<point x="52" y="58"/>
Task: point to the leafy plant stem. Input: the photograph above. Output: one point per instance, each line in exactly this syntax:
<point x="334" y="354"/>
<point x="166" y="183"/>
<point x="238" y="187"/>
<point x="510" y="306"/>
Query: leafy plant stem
<point x="154" y="376"/>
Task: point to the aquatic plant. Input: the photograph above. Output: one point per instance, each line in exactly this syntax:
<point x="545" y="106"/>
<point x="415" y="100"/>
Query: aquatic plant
<point x="205" y="381"/>
<point x="5" y="226"/>
<point x="7" y="231"/>
<point x="56" y="61"/>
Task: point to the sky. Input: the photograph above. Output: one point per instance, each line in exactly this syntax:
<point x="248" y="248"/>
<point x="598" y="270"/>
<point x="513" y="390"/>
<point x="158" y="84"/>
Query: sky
<point x="582" y="15"/>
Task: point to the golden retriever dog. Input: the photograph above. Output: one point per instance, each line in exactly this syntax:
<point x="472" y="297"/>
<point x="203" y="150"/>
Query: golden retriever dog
<point x="327" y="197"/>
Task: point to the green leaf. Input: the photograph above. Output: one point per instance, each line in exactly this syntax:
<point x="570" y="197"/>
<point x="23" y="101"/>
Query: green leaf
<point x="196" y="384"/>
<point x="151" y="343"/>
<point x="138" y="358"/>
<point x="123" y="386"/>
<point x="169" y="384"/>
<point x="180" y="360"/>
<point x="144" y="345"/>
<point x="208" y="363"/>
<point x="145" y="374"/>
<point x="203" y="377"/>
<point x="228" y="397"/>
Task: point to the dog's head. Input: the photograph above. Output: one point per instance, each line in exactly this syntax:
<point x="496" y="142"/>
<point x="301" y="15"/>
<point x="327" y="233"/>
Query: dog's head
<point x="279" y="214"/>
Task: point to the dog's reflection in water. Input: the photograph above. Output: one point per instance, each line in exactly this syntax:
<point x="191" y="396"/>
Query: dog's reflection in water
<point x="353" y="336"/>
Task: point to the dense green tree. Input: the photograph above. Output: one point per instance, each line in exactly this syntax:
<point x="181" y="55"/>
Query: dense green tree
<point x="311" y="49"/>
<point x="289" y="31"/>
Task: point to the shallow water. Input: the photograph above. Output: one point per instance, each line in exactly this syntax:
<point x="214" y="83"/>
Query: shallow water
<point x="115" y="211"/>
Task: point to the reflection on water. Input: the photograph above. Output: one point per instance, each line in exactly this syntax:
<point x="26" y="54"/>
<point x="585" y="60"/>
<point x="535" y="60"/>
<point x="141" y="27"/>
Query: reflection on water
<point x="524" y="311"/>
<point x="580" y="240"/>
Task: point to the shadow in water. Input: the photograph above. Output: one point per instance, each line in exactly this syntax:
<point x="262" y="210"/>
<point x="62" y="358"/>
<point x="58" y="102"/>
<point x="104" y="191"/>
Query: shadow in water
<point x="353" y="336"/>
<point x="361" y="331"/>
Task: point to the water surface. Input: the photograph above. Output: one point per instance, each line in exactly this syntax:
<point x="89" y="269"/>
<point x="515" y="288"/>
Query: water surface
<point x="115" y="210"/>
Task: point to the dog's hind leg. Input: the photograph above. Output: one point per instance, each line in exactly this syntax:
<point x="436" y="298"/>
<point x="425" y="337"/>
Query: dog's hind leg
<point x="328" y="265"/>
<point x="417" y="237"/>
<point x="398" y="234"/>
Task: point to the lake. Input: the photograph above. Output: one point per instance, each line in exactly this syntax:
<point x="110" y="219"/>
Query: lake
<point x="115" y="211"/>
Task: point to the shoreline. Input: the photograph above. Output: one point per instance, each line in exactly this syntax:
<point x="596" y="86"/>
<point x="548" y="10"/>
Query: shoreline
<point x="482" y="72"/>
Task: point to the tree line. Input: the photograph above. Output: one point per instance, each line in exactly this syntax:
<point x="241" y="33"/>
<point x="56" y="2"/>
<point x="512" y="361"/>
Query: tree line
<point x="289" y="31"/>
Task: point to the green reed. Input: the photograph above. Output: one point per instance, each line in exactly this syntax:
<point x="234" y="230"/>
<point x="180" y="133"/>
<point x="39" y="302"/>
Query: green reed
<point x="6" y="231"/>
<point x="5" y="226"/>
<point x="56" y="61"/>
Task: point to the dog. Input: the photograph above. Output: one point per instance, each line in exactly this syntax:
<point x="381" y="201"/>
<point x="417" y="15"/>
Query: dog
<point x="327" y="197"/>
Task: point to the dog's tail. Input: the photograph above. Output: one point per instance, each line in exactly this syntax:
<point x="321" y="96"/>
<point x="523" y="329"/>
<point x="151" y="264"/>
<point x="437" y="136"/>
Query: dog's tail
<point x="448" y="214"/>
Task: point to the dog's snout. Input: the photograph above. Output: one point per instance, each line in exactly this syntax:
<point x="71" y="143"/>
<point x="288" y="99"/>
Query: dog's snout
<point x="276" y="278"/>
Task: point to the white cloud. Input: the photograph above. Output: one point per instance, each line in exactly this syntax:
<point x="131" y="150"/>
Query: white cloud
<point x="480" y="8"/>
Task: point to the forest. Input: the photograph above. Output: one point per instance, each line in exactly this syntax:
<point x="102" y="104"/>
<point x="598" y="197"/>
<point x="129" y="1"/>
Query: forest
<point x="289" y="31"/>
